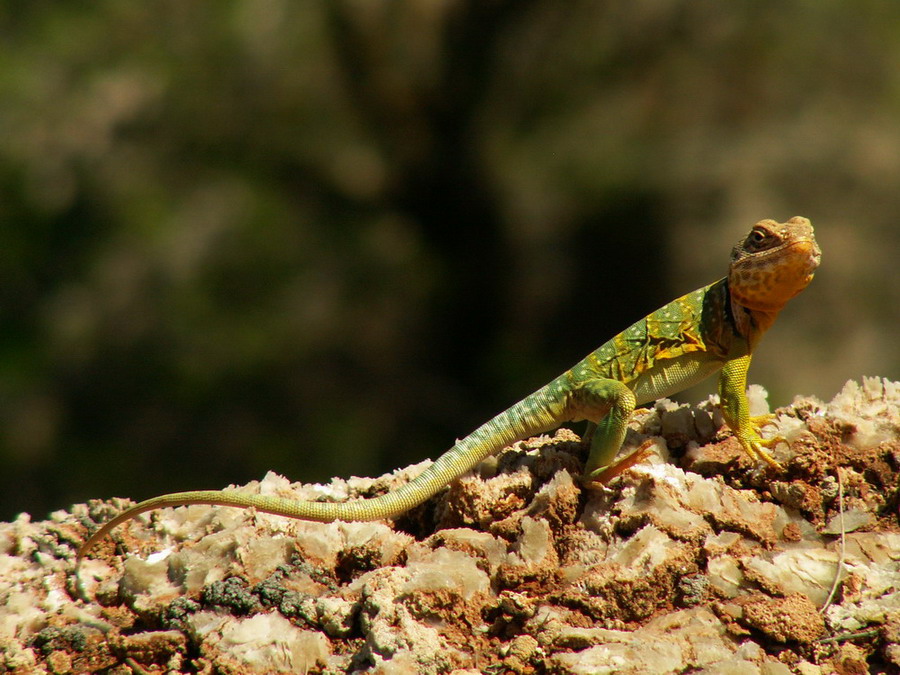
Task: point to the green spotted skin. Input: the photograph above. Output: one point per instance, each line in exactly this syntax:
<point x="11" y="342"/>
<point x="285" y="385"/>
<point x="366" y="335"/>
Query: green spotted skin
<point x="711" y="329"/>
<point x="658" y="355"/>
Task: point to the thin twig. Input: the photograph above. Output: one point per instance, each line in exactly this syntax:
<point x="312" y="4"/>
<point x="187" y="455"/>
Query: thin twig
<point x="852" y="636"/>
<point x="840" y="565"/>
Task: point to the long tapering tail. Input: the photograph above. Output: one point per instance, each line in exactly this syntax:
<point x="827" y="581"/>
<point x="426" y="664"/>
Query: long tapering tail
<point x="535" y="414"/>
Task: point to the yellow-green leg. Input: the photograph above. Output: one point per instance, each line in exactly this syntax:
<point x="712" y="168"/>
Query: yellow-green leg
<point x="736" y="410"/>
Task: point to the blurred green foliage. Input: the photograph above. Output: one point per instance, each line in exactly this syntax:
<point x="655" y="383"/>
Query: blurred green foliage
<point x="330" y="237"/>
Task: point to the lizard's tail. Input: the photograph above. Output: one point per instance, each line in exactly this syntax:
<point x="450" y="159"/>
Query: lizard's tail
<point x="532" y="415"/>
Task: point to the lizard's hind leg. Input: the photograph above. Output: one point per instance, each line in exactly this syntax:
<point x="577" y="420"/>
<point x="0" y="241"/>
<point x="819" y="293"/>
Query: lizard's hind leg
<point x="608" y="403"/>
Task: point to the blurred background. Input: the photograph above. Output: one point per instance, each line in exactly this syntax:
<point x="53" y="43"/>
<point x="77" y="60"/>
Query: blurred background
<point x="328" y="238"/>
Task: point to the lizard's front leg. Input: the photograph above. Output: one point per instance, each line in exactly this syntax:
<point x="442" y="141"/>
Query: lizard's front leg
<point x="736" y="410"/>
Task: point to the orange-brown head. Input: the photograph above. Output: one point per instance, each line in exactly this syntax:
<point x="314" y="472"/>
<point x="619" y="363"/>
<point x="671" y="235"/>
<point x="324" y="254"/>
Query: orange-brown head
<point x="773" y="264"/>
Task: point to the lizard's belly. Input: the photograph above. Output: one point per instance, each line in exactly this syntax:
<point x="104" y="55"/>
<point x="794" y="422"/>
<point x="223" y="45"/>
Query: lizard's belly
<point x="671" y="376"/>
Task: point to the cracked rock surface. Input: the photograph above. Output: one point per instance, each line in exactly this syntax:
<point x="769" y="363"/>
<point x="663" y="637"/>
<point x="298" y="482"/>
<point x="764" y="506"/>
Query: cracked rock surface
<point x="694" y="561"/>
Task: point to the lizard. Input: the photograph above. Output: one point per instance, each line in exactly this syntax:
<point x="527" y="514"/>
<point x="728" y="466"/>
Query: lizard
<point x="714" y="328"/>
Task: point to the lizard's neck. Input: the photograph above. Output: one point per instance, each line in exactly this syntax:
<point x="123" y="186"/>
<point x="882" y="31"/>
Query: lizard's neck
<point x="753" y="323"/>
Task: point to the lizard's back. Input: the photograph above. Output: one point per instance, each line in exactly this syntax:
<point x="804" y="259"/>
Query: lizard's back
<point x="674" y="347"/>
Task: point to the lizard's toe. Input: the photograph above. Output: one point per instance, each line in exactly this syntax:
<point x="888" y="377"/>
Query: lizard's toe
<point x="754" y="448"/>
<point x="605" y="474"/>
<point x="763" y="420"/>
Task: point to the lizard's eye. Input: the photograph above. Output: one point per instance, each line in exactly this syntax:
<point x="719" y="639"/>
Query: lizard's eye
<point x="757" y="238"/>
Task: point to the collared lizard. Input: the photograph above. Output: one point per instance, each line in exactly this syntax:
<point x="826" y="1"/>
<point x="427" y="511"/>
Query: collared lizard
<point x="714" y="328"/>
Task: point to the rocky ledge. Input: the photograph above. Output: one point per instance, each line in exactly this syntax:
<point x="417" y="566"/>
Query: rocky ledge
<point x="694" y="561"/>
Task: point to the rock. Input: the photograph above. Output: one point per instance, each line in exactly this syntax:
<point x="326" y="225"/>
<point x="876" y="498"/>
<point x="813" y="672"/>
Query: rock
<point x="694" y="561"/>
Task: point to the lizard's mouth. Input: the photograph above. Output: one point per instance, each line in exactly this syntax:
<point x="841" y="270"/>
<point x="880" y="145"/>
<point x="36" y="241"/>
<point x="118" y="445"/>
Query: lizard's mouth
<point x="805" y="257"/>
<point x="807" y="254"/>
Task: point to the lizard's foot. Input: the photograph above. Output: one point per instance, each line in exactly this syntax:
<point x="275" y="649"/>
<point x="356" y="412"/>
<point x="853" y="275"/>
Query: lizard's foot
<point x="754" y="447"/>
<point x="603" y="475"/>
<point x="753" y="443"/>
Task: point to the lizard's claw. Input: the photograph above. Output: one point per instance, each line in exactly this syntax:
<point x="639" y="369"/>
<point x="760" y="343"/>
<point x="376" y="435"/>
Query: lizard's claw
<point x="754" y="444"/>
<point x="606" y="474"/>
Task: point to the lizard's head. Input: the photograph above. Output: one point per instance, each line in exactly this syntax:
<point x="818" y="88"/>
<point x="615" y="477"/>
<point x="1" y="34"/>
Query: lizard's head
<point x="773" y="263"/>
